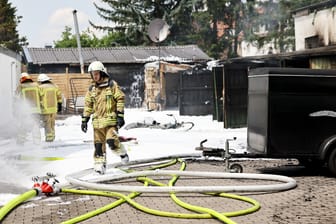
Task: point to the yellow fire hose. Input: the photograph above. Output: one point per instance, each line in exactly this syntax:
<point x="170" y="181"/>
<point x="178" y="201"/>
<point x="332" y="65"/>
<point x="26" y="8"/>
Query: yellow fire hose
<point x="16" y="201"/>
<point x="201" y="212"/>
<point x="206" y="213"/>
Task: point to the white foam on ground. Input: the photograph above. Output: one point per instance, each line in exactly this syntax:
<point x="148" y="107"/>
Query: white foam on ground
<point x="77" y="147"/>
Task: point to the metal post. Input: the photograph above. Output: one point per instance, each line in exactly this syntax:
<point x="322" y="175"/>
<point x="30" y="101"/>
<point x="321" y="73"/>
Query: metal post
<point x="78" y="42"/>
<point x="12" y="79"/>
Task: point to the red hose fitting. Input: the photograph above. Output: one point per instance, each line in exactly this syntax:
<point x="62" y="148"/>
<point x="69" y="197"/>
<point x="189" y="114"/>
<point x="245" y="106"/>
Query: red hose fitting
<point x="36" y="185"/>
<point x="46" y="188"/>
<point x="46" y="185"/>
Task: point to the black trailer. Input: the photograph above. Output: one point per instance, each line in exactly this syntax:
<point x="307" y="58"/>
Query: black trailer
<point x="291" y="114"/>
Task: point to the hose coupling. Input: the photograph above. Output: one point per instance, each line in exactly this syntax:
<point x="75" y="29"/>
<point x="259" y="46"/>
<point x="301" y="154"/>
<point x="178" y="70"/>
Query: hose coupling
<point x="46" y="185"/>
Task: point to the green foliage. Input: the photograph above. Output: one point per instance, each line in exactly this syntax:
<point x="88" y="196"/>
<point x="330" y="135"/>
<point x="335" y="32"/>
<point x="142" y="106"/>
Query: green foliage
<point x="219" y="28"/>
<point x="276" y="19"/>
<point x="113" y="39"/>
<point x="131" y="18"/>
<point x="87" y="39"/>
<point x="216" y="26"/>
<point x="9" y="37"/>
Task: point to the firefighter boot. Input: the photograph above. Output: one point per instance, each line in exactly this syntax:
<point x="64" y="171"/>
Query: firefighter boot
<point x="118" y="150"/>
<point x="123" y="154"/>
<point x="100" y="165"/>
<point x="99" y="159"/>
<point x="124" y="158"/>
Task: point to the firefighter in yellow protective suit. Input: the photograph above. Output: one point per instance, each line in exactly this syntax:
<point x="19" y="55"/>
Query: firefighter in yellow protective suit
<point x="105" y="102"/>
<point x="29" y="101"/>
<point x="51" y="103"/>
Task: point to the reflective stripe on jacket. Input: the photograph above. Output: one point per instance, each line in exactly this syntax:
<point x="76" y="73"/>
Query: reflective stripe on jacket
<point x="29" y="91"/>
<point x="103" y="103"/>
<point x="50" y="96"/>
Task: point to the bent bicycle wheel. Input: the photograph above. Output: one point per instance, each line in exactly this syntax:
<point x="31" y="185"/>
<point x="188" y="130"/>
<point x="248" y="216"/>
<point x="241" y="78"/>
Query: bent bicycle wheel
<point x="187" y="125"/>
<point x="134" y="125"/>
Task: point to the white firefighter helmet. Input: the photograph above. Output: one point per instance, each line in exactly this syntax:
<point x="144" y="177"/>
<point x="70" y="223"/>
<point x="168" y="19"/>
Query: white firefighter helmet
<point x="43" y="77"/>
<point x="96" y="66"/>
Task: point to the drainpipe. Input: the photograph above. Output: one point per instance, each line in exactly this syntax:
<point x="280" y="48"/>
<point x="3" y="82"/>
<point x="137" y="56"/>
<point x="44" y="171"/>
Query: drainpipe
<point x="78" y="42"/>
<point x="314" y="17"/>
<point x="12" y="79"/>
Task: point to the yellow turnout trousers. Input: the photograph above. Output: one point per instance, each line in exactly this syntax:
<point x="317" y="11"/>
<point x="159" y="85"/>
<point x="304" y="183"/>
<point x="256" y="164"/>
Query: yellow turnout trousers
<point x="49" y="126"/>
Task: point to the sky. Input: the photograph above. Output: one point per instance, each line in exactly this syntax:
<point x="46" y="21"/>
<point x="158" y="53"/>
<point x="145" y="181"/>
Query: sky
<point x="75" y="148"/>
<point x="44" y="21"/>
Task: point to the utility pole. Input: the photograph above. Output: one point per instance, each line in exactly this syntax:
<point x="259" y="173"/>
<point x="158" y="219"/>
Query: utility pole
<point x="81" y="62"/>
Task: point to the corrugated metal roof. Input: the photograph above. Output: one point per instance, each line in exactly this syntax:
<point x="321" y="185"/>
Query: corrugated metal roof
<point x="185" y="53"/>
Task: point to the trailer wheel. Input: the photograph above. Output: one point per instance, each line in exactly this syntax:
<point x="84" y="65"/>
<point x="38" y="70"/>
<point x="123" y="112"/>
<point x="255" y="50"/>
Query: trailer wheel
<point x="332" y="162"/>
<point x="236" y="168"/>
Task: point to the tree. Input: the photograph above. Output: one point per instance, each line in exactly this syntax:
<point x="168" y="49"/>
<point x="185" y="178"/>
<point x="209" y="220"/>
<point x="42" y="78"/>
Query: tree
<point x="219" y="27"/>
<point x="130" y="19"/>
<point x="216" y="26"/>
<point x="9" y="37"/>
<point x="257" y="22"/>
<point x="275" y="17"/>
<point x="87" y="39"/>
<point x="113" y="39"/>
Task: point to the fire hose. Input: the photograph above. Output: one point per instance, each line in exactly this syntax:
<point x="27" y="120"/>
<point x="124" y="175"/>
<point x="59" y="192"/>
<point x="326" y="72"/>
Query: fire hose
<point x="50" y="188"/>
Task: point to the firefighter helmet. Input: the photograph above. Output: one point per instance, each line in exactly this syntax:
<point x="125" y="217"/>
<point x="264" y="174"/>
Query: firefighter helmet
<point x="43" y="77"/>
<point x="24" y="77"/>
<point x="98" y="66"/>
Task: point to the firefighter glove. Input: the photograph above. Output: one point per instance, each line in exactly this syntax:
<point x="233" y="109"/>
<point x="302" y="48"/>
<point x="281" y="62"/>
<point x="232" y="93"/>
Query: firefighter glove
<point x="85" y="120"/>
<point x="120" y="119"/>
<point x="59" y="107"/>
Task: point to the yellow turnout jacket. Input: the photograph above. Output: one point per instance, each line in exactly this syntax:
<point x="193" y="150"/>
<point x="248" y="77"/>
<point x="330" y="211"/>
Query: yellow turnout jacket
<point x="50" y="96"/>
<point x="29" y="91"/>
<point x="103" y="102"/>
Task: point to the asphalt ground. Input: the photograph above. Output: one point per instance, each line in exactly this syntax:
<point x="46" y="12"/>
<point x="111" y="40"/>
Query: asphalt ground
<point x="312" y="201"/>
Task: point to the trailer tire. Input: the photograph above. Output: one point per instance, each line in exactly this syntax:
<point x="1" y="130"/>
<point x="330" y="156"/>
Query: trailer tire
<point x="332" y="162"/>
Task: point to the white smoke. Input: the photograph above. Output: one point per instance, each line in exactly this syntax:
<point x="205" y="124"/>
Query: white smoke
<point x="16" y="121"/>
<point x="7" y="126"/>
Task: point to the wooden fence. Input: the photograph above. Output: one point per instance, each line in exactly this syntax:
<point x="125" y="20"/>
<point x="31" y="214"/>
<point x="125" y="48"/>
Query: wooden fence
<point x="73" y="87"/>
